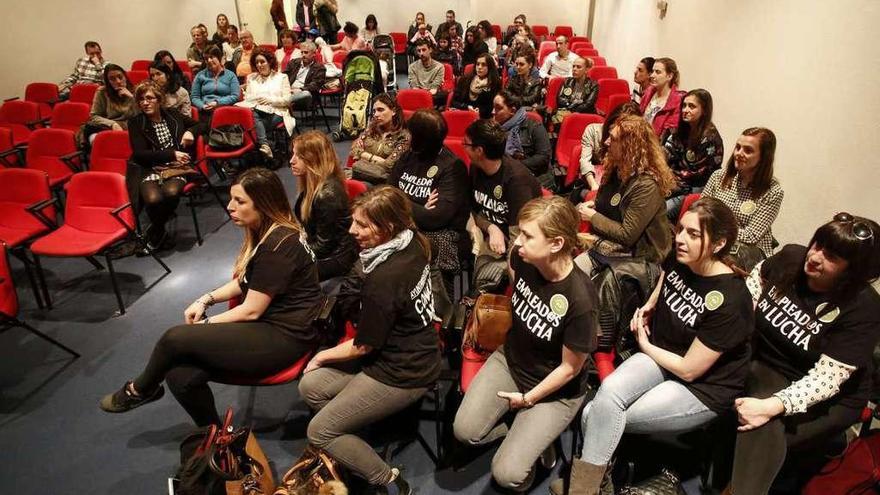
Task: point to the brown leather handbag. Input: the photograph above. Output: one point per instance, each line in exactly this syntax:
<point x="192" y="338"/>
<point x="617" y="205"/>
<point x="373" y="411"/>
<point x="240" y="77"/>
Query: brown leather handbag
<point x="313" y="470"/>
<point x="489" y="322"/>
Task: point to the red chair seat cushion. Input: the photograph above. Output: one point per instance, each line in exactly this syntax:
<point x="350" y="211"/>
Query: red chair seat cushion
<point x="13" y="236"/>
<point x="284" y="376"/>
<point x="212" y="154"/>
<point x="69" y="241"/>
<point x="471" y="363"/>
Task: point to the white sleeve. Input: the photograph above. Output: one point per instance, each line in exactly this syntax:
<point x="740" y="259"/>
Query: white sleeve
<point x="754" y="282"/>
<point x="822" y="382"/>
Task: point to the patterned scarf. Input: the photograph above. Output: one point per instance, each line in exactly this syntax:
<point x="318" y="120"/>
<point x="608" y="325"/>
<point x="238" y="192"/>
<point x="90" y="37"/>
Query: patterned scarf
<point x="375" y="256"/>
<point x="512" y="126"/>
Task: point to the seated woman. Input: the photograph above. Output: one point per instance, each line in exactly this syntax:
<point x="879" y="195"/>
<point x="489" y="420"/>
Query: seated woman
<point x="521" y="43"/>
<point x="642" y="78"/>
<point x="488" y="37"/>
<point x="628" y="217"/>
<point x="578" y="93"/>
<point x="747" y="186"/>
<point x="693" y="151"/>
<point x="473" y="46"/>
<point x="414" y="28"/>
<point x="694" y="349"/>
<point x="382" y="143"/>
<point x="476" y="91"/>
<point x="268" y="94"/>
<point x="437" y="185"/>
<point x="525" y="87"/>
<point x="396" y="345"/>
<point x="351" y="40"/>
<point x="214" y="87"/>
<point x="371" y="29"/>
<point x="176" y="96"/>
<point x="593" y="145"/>
<point x="288" y="50"/>
<point x="167" y="58"/>
<point x="112" y="106"/>
<point x="661" y="102"/>
<point x="527" y="140"/>
<point x="161" y="143"/>
<point x="277" y="281"/>
<point x="322" y="205"/>
<point x="816" y="324"/>
<point x="539" y="373"/>
<point x="222" y="27"/>
<point x="443" y="51"/>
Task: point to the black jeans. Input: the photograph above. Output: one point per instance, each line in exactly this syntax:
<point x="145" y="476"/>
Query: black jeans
<point x="187" y="357"/>
<point x="760" y="453"/>
<point x="160" y="200"/>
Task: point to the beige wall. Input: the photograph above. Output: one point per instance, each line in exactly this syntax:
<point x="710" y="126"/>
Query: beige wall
<point x="807" y="69"/>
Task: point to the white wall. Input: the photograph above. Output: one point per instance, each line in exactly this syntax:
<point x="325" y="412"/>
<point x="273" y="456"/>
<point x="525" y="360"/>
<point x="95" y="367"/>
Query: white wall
<point x="807" y="69"/>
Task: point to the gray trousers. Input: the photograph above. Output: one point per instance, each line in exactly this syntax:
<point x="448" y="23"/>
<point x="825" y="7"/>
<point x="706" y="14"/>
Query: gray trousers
<point x="532" y="431"/>
<point x="345" y="404"/>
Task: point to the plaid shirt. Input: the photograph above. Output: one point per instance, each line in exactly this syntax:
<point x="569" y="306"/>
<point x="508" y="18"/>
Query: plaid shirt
<point x="754" y="215"/>
<point x="84" y="72"/>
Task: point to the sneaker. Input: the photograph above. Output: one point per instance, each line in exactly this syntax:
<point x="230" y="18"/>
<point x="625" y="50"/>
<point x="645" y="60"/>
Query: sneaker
<point x="398" y="485"/>
<point x="548" y="457"/>
<point x="266" y="150"/>
<point x="124" y="400"/>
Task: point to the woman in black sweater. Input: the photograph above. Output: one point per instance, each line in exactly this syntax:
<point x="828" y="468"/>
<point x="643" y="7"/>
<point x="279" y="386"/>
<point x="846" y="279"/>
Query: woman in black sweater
<point x="476" y="90"/>
<point x="322" y="206"/>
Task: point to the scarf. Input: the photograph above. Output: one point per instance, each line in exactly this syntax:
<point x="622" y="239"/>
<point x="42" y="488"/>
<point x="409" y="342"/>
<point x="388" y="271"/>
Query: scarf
<point x="373" y="257"/>
<point x="512" y="126"/>
<point x="478" y="86"/>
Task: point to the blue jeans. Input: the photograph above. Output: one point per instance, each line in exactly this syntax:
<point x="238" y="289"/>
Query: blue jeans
<point x="638" y="398"/>
<point x="263" y="121"/>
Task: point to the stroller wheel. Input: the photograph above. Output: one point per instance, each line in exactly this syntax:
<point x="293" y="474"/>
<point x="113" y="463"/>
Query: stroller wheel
<point x="337" y="137"/>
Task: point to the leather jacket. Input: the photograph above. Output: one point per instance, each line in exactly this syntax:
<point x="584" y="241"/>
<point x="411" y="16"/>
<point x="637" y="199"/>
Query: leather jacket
<point x="526" y="91"/>
<point x="327" y="229"/>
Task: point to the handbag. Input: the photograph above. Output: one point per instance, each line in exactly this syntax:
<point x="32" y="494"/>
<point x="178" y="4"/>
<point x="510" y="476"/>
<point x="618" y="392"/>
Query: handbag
<point x="369" y="171"/>
<point x="176" y="169"/>
<point x="665" y="483"/>
<point x="489" y="322"/>
<point x="226" y="137"/>
<point x="223" y="461"/>
<point x="856" y="471"/>
<point x="309" y="473"/>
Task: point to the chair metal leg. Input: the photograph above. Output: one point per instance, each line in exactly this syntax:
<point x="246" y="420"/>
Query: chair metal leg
<point x="29" y="272"/>
<point x="42" y="278"/>
<point x="219" y="201"/>
<point x="320" y="106"/>
<point x="192" y="209"/>
<point x="45" y="337"/>
<point x="115" y="283"/>
<point x="97" y="264"/>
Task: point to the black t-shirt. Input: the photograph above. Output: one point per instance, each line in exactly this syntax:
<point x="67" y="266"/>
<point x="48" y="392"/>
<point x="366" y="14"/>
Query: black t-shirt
<point x="499" y="197"/>
<point x="284" y="268"/>
<point x="446" y="173"/>
<point x="608" y="199"/>
<point x="547" y="316"/>
<point x="718" y="311"/>
<point x="396" y="320"/>
<point x="791" y="336"/>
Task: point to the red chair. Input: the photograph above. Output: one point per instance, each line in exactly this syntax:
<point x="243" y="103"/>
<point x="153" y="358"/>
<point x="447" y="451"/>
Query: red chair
<point x="9" y="305"/>
<point x="136" y="76"/>
<point x="570" y="133"/>
<point x="602" y="72"/>
<point x="415" y="99"/>
<point x="184" y="66"/>
<point x="448" y="78"/>
<point x="111" y="151"/>
<point x="597" y="60"/>
<point x="553" y="85"/>
<point x="83" y="93"/>
<point x="566" y="31"/>
<point x="354" y="188"/>
<point x="141" y="65"/>
<point x="608" y="87"/>
<point x="587" y="52"/>
<point x="457" y="121"/>
<point x="579" y="45"/>
<point x="231" y="116"/>
<point x="688" y="201"/>
<point x="10" y="156"/>
<point x="615" y="101"/>
<point x="574" y="166"/>
<point x="198" y="185"/>
<point x="21" y="117"/>
<point x="457" y="148"/>
<point x="541" y="32"/>
<point x="400" y="41"/>
<point x="339" y="57"/>
<point x="575" y="39"/>
<point x="496" y="30"/>
<point x="546" y="48"/>
<point x="468" y="69"/>
<point x="70" y="116"/>
<point x="43" y="94"/>
<point x="534" y="116"/>
<point x="97" y="217"/>
<point x="54" y="152"/>
<point x="269" y="48"/>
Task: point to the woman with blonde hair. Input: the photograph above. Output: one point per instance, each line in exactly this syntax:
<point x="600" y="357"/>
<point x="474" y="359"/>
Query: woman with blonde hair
<point x="275" y="278"/>
<point x="322" y="205"/>
<point x="628" y="216"/>
<point x="395" y="346"/>
<point x="539" y="372"/>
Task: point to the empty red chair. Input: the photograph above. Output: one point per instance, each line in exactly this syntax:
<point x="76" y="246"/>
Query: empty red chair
<point x="586" y="52"/>
<point x="553" y="86"/>
<point x="570" y="133"/>
<point x="540" y="31"/>
<point x="83" y="93"/>
<point x="54" y="151"/>
<point x="70" y="116"/>
<point x="566" y="31"/>
<point x="43" y="94"/>
<point x="136" y="76"/>
<point x="546" y="48"/>
<point x="602" y="72"/>
<point x="415" y="99"/>
<point x="354" y="188"/>
<point x="579" y="45"/>
<point x="97" y="217"/>
<point x="399" y="40"/>
<point x="598" y="61"/>
<point x="21" y="117"/>
<point x="457" y="121"/>
<point x="448" y="78"/>
<point x="21" y="197"/>
<point x="141" y="65"/>
<point x="10" y="156"/>
<point x="615" y="101"/>
<point x="608" y="87"/>
<point x="231" y="116"/>
<point x="687" y="202"/>
<point x="9" y="305"/>
<point x="111" y="151"/>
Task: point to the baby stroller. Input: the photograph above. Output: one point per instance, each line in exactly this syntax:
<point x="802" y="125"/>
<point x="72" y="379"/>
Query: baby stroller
<point x="383" y="46"/>
<point x="362" y="80"/>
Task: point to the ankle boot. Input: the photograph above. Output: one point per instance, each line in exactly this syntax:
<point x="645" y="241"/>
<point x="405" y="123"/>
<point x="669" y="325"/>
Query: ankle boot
<point x="586" y="478"/>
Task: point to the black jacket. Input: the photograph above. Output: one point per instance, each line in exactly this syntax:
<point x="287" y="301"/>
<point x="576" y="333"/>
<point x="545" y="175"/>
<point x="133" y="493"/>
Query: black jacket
<point x="315" y="78"/>
<point x="327" y="229"/>
<point x="470" y="53"/>
<point x="461" y="97"/>
<point x="565" y="98"/>
<point x="536" y="147"/>
<point x="526" y="91"/>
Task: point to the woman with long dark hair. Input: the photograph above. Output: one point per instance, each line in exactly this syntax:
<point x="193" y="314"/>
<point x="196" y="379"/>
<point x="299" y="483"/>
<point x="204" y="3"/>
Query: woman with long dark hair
<point x="112" y="106"/>
<point x="473" y="46"/>
<point x="167" y="58"/>
<point x="816" y="329"/>
<point x="222" y="26"/>
<point x="382" y="143"/>
<point x="526" y="85"/>
<point x="176" y="96"/>
<point x="275" y="277"/>
<point x="642" y="78"/>
<point x="371" y="29"/>
<point x="661" y="102"/>
<point x="476" y="91"/>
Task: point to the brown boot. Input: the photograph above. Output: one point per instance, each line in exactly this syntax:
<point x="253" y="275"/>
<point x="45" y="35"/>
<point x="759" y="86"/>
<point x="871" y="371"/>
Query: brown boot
<point x="586" y="478"/>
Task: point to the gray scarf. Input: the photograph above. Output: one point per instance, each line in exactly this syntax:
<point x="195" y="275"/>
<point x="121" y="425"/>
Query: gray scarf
<point x="373" y="257"/>
<point x="512" y="126"/>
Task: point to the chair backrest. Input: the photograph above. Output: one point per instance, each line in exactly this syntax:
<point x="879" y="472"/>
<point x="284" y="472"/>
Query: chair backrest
<point x="141" y="65"/>
<point x="458" y="150"/>
<point x="184" y="66"/>
<point x="687" y="202"/>
<point x="339" y="57"/>
<point x="579" y="45"/>
<point x="553" y="86"/>
<point x="597" y="60"/>
<point x="44" y="94"/>
<point x="110" y="152"/>
<point x="468" y="69"/>
<point x="585" y="52"/>
<point x="602" y="72"/>
<point x="83" y="93"/>
<point x="608" y="87"/>
<point x="546" y="48"/>
<point x="540" y="31"/>
<point x="575" y="39"/>
<point x="136" y="76"/>
<point x="268" y="47"/>
<point x="235" y="115"/>
<point x="354" y="188"/>
<point x="23" y="187"/>
<point x="457" y="121"/>
<point x="91" y="196"/>
<point x="615" y="101"/>
<point x="496" y="30"/>
<point x="570" y="133"/>
<point x="534" y="116"/>
<point x="448" y="78"/>
<point x="566" y="31"/>
<point x="399" y="40"/>
<point x="45" y="148"/>
<point x="19" y="112"/>
<point x="69" y="115"/>
<point x="415" y="99"/>
<point x="8" y="297"/>
<point x="6" y="144"/>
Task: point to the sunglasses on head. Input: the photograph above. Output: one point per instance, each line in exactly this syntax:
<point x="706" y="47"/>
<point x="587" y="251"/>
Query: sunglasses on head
<point x="861" y="230"/>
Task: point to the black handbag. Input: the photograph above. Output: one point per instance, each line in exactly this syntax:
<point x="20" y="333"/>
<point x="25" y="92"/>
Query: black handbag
<point x="665" y="483"/>
<point x="226" y="137"/>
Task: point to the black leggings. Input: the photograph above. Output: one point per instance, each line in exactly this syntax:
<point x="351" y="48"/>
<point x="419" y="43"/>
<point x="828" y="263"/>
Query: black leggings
<point x="187" y="357"/>
<point x="160" y="200"/>
<point x="760" y="453"/>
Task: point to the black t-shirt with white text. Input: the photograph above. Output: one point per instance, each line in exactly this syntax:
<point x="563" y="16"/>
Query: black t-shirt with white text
<point x="717" y="310"/>
<point x="499" y="197"/>
<point x="791" y="334"/>
<point x="396" y="320"/>
<point x="547" y="316"/>
<point x="284" y="268"/>
<point x="445" y="173"/>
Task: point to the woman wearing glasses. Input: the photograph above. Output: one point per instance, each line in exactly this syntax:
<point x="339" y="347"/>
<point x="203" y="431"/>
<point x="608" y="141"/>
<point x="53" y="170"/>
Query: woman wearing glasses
<point x="816" y="320"/>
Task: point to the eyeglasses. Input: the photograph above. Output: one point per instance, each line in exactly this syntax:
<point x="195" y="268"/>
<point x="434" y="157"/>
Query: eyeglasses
<point x="861" y="230"/>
